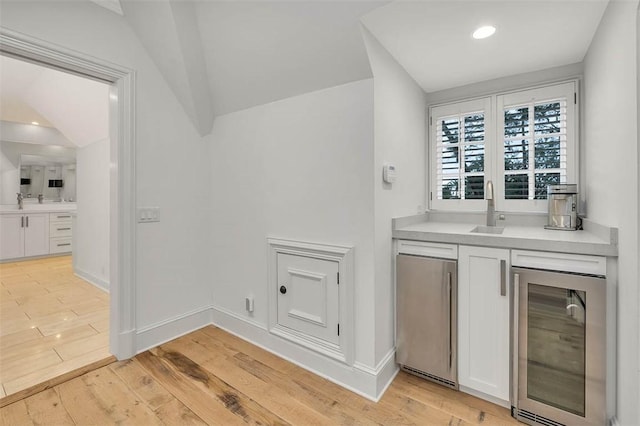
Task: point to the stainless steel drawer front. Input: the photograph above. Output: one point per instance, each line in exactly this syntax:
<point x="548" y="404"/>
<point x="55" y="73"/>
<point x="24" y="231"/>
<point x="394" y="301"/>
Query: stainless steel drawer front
<point x="426" y="317"/>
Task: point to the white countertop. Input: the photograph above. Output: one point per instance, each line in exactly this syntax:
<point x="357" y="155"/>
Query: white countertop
<point x="594" y="242"/>
<point x="38" y="208"/>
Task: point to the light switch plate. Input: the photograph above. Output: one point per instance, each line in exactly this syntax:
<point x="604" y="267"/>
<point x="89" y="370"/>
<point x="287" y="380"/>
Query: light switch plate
<point x="148" y="214"/>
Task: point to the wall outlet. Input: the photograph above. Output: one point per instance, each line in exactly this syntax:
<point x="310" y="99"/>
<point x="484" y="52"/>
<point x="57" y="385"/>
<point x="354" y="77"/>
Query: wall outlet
<point x="248" y="304"/>
<point x="148" y="214"/>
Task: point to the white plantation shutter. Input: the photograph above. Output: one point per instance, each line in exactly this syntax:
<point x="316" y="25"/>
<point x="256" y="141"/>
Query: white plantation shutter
<point x="460" y="156"/>
<point x="536" y="137"/>
<point x="458" y="153"/>
<point x="522" y="141"/>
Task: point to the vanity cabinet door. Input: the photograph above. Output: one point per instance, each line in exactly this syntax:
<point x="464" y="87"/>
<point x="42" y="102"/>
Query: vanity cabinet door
<point x="483" y="321"/>
<point x="11" y="236"/>
<point x="36" y="234"/>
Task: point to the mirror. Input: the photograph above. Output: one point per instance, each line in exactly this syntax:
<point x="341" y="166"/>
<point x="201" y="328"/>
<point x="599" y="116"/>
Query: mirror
<point x="53" y="177"/>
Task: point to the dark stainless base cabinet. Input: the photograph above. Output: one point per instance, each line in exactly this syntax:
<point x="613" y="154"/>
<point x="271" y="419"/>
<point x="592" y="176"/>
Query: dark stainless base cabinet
<point x="559" y="348"/>
<point x="426" y="314"/>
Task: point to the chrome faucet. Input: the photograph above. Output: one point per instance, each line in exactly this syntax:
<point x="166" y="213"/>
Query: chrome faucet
<point x="20" y="198"/>
<point x="491" y="205"/>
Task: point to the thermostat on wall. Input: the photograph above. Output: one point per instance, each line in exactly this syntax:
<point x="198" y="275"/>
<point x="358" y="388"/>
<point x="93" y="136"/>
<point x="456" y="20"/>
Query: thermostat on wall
<point x="389" y="173"/>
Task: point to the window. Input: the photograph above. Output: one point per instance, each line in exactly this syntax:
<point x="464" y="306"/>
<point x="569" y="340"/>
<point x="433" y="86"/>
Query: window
<point x="533" y="146"/>
<point x="459" y="166"/>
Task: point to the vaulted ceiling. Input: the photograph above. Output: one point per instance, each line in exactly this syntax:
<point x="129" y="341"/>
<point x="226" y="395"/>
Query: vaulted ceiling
<point x="220" y="57"/>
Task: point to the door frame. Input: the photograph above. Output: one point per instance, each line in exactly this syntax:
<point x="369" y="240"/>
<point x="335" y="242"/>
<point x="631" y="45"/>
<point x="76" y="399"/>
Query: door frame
<point x="122" y="173"/>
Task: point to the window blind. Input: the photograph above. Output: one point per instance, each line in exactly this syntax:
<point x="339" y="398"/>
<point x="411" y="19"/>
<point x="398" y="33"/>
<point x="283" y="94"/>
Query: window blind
<point x="460" y="155"/>
<point x="535" y="148"/>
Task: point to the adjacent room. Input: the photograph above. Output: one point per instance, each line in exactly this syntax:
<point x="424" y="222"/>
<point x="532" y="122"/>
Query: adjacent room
<point x="327" y="212"/>
<point x="54" y="221"/>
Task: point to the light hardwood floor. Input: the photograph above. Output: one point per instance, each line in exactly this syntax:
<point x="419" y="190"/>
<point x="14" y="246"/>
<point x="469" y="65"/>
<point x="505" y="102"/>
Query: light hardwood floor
<point x="212" y="377"/>
<point x="51" y="323"/>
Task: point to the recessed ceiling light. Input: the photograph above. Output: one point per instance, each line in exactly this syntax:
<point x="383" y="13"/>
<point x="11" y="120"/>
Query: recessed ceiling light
<point x="484" y="32"/>
<point x="35" y="123"/>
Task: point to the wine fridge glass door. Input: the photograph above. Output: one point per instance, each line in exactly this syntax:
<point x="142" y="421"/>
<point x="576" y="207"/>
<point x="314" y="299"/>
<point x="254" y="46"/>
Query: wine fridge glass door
<point x="561" y="346"/>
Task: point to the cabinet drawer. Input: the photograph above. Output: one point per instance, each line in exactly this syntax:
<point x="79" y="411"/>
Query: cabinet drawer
<point x="60" y="229"/>
<point x="424" y="248"/>
<point x="563" y="262"/>
<point x="59" y="217"/>
<point x="60" y="245"/>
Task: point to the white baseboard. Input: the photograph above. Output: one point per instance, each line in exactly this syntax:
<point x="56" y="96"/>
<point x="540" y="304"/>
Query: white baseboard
<point x="365" y="381"/>
<point x="123" y="344"/>
<point x="172" y="328"/>
<point x="92" y="279"/>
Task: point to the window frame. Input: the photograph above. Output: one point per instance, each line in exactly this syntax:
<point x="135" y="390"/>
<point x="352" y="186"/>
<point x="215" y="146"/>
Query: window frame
<point x="536" y="96"/>
<point x="450" y="110"/>
<point x="494" y="105"/>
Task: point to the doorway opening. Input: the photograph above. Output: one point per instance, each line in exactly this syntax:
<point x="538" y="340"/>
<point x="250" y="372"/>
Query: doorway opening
<point x="120" y="148"/>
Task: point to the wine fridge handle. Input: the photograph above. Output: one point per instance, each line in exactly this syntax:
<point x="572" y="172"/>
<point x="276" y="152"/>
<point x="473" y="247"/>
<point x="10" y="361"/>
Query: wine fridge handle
<point x="515" y="294"/>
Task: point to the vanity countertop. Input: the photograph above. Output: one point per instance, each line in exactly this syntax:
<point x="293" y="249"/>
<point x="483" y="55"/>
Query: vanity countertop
<point x="38" y="208"/>
<point x="594" y="240"/>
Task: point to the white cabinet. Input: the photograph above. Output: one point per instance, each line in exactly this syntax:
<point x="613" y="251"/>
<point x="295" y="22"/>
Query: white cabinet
<point x="60" y="233"/>
<point x="23" y="235"/>
<point x="11" y="236"/>
<point x="483" y="321"/>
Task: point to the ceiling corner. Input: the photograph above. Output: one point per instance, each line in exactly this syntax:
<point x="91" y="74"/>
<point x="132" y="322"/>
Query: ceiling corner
<point x="169" y="32"/>
<point x="112" y="5"/>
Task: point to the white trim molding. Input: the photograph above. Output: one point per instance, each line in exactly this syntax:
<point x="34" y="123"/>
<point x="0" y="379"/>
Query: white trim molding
<point x="92" y="279"/>
<point x="172" y="328"/>
<point x="122" y="134"/>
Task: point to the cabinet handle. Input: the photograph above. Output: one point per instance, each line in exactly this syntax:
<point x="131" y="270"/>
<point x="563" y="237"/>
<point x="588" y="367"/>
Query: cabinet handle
<point x="63" y="217"/>
<point x="450" y="325"/>
<point x="65" y="244"/>
<point x="63" y="229"/>
<point x="503" y="278"/>
<point x="22" y="222"/>
<point x="27" y="221"/>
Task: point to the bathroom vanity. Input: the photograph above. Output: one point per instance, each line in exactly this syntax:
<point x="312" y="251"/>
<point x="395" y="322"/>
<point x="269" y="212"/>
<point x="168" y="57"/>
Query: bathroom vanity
<point x="36" y="230"/>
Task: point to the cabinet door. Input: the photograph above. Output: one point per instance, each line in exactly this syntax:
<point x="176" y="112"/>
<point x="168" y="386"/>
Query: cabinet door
<point x="308" y="296"/>
<point x="36" y="235"/>
<point x="11" y="236"/>
<point x="483" y="320"/>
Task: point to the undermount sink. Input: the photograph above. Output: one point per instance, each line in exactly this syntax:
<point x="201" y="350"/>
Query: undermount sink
<point x="482" y="229"/>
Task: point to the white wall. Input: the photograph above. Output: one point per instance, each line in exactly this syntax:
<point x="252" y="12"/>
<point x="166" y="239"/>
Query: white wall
<point x="91" y="232"/>
<point x="171" y="276"/>
<point x="611" y="161"/>
<point x="399" y="126"/>
<point x="297" y="169"/>
<point x="10" y="165"/>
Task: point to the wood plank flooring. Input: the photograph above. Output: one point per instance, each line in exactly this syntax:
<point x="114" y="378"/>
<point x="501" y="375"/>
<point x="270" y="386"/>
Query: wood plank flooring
<point x="212" y="377"/>
<point x="52" y="323"/>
